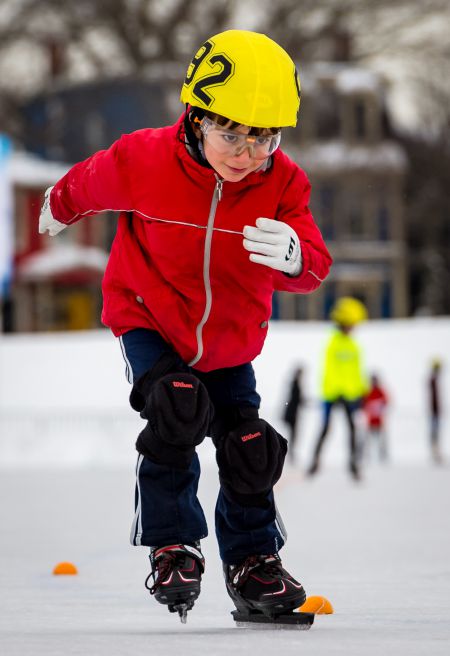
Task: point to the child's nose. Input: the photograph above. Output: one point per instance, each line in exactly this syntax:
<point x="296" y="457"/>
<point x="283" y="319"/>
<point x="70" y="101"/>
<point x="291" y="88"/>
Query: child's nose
<point x="245" y="154"/>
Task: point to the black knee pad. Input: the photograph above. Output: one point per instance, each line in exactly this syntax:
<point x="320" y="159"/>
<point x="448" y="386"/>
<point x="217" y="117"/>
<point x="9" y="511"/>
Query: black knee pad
<point x="250" y="460"/>
<point x="179" y="412"/>
<point x="227" y="418"/>
<point x="169" y="362"/>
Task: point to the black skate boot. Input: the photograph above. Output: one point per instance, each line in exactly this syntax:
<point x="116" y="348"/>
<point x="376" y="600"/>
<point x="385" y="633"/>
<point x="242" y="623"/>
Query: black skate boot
<point x="260" y="585"/>
<point x="355" y="471"/>
<point x="177" y="571"/>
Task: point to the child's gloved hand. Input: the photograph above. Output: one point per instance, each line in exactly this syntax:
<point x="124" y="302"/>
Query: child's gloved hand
<point x="274" y="244"/>
<point x="46" y="220"/>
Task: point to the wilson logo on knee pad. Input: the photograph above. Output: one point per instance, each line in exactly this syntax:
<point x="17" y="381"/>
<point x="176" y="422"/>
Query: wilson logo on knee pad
<point x="179" y="412"/>
<point x="250" y="436"/>
<point x="250" y="460"/>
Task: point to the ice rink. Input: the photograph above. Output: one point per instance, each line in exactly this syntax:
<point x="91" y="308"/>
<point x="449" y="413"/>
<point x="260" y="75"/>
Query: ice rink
<point x="379" y="549"/>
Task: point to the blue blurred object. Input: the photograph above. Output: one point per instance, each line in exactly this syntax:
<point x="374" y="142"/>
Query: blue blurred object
<point x="70" y="123"/>
<point x="6" y="231"/>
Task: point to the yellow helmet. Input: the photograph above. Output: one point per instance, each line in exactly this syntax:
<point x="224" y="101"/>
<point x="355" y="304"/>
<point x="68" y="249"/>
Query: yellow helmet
<point x="348" y="311"/>
<point x="246" y="77"/>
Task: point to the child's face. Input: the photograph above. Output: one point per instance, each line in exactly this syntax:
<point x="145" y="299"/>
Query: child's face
<point x="232" y="168"/>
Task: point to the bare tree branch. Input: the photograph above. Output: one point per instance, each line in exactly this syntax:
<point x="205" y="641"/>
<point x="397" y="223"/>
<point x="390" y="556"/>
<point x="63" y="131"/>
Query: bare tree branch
<point x="408" y="38"/>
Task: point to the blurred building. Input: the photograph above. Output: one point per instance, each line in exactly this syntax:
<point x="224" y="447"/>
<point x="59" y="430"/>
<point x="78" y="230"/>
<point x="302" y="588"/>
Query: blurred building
<point x="56" y="282"/>
<point x="72" y="121"/>
<point x="357" y="174"/>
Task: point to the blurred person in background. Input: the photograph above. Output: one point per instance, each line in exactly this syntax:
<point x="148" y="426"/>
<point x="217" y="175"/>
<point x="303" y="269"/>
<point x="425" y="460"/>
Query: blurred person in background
<point x="343" y="380"/>
<point x="213" y="219"/>
<point x="374" y="407"/>
<point x="291" y="413"/>
<point x="435" y="409"/>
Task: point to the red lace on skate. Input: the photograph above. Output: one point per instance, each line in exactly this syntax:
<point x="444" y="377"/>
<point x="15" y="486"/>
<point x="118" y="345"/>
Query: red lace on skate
<point x="164" y="560"/>
<point x="162" y="567"/>
<point x="271" y="565"/>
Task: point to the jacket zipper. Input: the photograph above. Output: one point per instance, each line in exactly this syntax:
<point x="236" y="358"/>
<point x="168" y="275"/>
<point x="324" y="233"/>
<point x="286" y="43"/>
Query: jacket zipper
<point x="206" y="263"/>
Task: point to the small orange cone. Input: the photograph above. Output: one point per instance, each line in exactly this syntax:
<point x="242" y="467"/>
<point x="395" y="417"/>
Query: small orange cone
<point x="67" y="569"/>
<point x="317" y="605"/>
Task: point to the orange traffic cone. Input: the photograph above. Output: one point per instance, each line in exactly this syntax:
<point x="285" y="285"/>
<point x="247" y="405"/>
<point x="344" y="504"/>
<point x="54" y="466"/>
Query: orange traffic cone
<point x="67" y="569"/>
<point x="317" y="605"/>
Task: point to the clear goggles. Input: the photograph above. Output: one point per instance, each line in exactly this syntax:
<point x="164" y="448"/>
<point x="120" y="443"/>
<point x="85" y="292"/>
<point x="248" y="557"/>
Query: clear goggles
<point x="229" y="142"/>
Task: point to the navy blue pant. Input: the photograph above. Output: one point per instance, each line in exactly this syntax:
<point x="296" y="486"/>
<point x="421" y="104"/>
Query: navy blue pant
<point x="167" y="507"/>
<point x="350" y="408"/>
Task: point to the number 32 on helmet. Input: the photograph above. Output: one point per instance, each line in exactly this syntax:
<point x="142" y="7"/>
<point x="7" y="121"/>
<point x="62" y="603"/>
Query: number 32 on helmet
<point x="246" y="77"/>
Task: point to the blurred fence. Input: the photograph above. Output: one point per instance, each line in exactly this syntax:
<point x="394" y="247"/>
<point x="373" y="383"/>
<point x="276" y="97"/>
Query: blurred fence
<point x="68" y="437"/>
<point x="95" y="438"/>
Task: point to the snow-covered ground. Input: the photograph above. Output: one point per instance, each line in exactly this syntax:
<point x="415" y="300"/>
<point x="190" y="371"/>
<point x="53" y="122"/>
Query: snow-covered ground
<point x="378" y="549"/>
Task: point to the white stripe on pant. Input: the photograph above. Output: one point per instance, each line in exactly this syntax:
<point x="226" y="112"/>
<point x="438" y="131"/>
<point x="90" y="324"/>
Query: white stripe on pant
<point x="280" y="524"/>
<point x="136" y="528"/>
<point x="128" y="369"/>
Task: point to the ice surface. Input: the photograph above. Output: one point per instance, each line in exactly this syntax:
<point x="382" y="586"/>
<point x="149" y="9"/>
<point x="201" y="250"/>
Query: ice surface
<point x="378" y="549"/>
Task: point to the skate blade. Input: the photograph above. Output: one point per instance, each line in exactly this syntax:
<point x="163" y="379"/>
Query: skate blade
<point x="182" y="610"/>
<point x="299" y="621"/>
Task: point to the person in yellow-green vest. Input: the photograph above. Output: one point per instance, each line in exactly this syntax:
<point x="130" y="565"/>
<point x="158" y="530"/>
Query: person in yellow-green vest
<point x="343" y="382"/>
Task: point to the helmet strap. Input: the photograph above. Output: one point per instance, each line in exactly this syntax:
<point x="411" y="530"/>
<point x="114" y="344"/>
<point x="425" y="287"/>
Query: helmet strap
<point x="194" y="144"/>
<point x="196" y="115"/>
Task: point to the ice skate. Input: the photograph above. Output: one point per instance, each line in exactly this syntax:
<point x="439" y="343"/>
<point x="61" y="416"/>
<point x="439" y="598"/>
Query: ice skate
<point x="355" y="470"/>
<point x="265" y="593"/>
<point x="176" y="571"/>
<point x="313" y="469"/>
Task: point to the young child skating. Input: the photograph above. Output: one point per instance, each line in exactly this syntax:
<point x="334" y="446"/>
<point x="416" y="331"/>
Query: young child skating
<point x="374" y="406"/>
<point x="213" y="219"/>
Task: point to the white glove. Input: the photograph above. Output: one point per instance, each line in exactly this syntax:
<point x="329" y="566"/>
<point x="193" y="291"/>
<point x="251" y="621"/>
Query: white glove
<point x="46" y="220"/>
<point x="274" y="244"/>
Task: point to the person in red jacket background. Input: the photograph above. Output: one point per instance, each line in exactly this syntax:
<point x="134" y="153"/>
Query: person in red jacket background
<point x="374" y="407"/>
<point x="213" y="219"/>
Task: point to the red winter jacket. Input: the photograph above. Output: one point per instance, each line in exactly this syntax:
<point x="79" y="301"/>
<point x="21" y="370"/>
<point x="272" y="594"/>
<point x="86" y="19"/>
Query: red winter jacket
<point x="374" y="406"/>
<point x="177" y="263"/>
